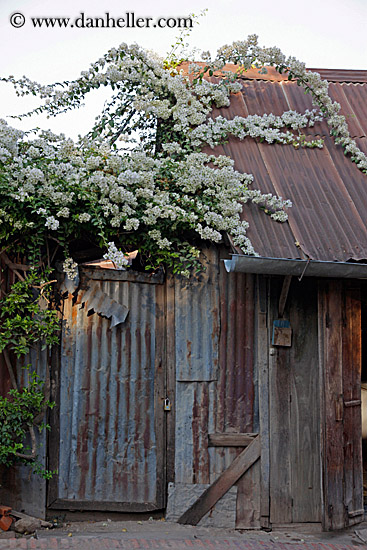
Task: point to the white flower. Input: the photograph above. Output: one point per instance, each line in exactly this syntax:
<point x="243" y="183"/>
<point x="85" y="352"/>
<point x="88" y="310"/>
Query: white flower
<point x="70" y="268"/>
<point x="116" y="256"/>
<point x="52" y="223"/>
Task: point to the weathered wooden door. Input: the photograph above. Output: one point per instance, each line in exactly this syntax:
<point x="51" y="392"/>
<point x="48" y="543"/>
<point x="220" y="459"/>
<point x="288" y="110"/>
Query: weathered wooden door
<point x="109" y="445"/>
<point x="340" y="356"/>
<point x="294" y="410"/>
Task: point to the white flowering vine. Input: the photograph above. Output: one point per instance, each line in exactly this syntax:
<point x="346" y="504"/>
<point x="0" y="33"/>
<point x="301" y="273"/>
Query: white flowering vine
<point x="162" y="195"/>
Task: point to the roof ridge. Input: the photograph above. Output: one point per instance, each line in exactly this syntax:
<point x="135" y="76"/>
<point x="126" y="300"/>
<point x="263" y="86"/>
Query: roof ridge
<point x="331" y="75"/>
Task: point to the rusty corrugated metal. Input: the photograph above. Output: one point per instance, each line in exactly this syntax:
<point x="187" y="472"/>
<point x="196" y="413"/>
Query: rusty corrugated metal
<point x="224" y="403"/>
<point x="108" y="444"/>
<point x="197" y="331"/>
<point x="331" y="75"/>
<point x="235" y="398"/>
<point x="328" y="220"/>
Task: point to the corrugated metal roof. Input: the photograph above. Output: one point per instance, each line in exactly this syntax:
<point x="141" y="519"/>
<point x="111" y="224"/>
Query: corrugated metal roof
<point x="328" y="220"/>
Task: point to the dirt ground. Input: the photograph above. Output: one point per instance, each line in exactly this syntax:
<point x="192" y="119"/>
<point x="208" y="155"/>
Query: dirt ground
<point x="155" y="530"/>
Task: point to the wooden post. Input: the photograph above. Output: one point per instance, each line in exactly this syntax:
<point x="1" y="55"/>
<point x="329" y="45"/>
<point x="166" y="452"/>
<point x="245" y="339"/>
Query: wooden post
<point x="263" y="376"/>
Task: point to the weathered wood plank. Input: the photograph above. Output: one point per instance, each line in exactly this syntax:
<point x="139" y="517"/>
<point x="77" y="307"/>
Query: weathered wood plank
<point x="248" y="499"/>
<point x="229" y="477"/>
<point x="352" y="362"/>
<point x="262" y="351"/>
<point x="280" y="460"/>
<point x="279" y="414"/>
<point x="284" y="294"/>
<point x="98" y="274"/>
<point x="230" y="439"/>
<point x="159" y="392"/>
<point x="305" y="404"/>
<point x="330" y="318"/>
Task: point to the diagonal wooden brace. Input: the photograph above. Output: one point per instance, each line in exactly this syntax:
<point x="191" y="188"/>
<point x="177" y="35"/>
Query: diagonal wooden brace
<point x="229" y="477"/>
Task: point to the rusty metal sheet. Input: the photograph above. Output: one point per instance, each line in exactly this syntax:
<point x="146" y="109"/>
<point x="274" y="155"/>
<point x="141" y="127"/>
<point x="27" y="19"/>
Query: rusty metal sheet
<point x="328" y="220"/>
<point x="97" y="301"/>
<point x="342" y="75"/>
<point x="195" y="402"/>
<point x="235" y="403"/>
<point x="108" y="442"/>
<point x="352" y="100"/>
<point x="224" y="405"/>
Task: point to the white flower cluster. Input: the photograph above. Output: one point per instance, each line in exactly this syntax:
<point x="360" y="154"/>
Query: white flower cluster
<point x="70" y="268"/>
<point x="116" y="256"/>
<point x="133" y="192"/>
<point x="248" y="53"/>
<point x="52" y="223"/>
<point x="267" y="127"/>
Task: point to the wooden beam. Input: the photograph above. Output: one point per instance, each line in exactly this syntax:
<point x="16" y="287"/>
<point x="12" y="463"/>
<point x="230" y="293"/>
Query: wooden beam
<point x="284" y="294"/>
<point x="230" y="439"/>
<point x="225" y="481"/>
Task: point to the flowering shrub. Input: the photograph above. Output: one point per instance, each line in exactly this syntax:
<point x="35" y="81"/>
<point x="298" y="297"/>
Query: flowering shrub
<point x="160" y="194"/>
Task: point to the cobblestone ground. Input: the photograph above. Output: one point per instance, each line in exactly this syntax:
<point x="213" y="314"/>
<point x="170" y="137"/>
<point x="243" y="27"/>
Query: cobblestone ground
<point x="166" y="535"/>
<point x="104" y="543"/>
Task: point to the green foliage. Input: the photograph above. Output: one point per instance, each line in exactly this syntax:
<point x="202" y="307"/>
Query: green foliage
<point x="17" y="415"/>
<point x="25" y="318"/>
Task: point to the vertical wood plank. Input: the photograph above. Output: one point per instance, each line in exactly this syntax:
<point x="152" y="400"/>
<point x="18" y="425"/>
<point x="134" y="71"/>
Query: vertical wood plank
<point x="262" y="339"/>
<point x="280" y="459"/>
<point x="352" y="361"/>
<point x="330" y="318"/>
<point x="248" y="499"/>
<point x="305" y="403"/>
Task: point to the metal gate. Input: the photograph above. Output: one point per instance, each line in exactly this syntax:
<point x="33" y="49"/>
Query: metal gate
<point x="109" y="445"/>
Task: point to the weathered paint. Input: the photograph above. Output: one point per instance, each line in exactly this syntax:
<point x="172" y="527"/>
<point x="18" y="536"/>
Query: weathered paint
<point x="108" y="440"/>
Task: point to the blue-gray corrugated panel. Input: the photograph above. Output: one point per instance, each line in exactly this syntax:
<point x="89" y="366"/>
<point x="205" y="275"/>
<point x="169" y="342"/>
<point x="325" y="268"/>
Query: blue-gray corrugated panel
<point x="107" y="433"/>
<point x="197" y="323"/>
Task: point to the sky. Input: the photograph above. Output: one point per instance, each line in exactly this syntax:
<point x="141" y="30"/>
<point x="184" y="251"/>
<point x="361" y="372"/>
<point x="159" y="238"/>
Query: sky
<point x="322" y="33"/>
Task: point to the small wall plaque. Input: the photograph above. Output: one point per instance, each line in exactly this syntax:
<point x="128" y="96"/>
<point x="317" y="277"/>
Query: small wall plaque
<point x="282" y="333"/>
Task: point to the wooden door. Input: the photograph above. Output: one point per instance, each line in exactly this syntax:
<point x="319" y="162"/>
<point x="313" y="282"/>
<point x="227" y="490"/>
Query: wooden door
<point x="294" y="410"/>
<point x="340" y="358"/>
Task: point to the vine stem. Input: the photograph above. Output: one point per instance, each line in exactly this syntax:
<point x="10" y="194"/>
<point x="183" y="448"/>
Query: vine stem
<point x="10" y="369"/>
<point x="34" y="446"/>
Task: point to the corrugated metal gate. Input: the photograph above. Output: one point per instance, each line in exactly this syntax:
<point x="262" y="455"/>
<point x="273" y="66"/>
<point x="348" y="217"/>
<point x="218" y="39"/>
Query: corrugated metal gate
<point x="110" y="449"/>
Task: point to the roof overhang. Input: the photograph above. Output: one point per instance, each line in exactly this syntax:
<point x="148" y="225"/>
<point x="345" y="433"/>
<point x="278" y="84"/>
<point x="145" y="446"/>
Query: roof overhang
<point x="299" y="268"/>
